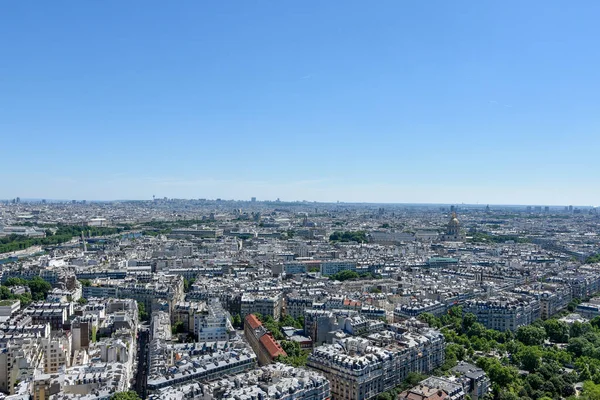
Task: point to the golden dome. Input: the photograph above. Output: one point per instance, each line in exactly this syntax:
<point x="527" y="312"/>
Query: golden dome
<point x="454" y="221"/>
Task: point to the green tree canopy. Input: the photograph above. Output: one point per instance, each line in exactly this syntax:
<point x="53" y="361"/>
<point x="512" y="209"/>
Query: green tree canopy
<point x="531" y="335"/>
<point x="349" y="236"/>
<point x="130" y="395"/>
<point x="345" y="275"/>
<point x="557" y="331"/>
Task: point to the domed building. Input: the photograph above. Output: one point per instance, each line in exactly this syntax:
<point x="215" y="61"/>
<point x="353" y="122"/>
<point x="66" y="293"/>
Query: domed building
<point x="453" y="232"/>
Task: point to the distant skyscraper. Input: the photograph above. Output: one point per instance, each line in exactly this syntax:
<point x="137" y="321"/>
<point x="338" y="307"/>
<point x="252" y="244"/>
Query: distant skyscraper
<point x="253" y="199"/>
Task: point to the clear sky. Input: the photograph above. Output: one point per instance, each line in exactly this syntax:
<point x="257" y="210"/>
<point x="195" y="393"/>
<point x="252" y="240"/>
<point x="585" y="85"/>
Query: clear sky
<point x="381" y="101"/>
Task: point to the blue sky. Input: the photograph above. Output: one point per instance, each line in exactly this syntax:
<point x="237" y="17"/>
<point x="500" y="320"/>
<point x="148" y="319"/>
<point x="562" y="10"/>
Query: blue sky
<point x="386" y="101"/>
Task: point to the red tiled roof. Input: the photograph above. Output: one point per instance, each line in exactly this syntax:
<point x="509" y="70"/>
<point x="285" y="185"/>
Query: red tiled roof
<point x="351" y="303"/>
<point x="253" y="321"/>
<point x="273" y="348"/>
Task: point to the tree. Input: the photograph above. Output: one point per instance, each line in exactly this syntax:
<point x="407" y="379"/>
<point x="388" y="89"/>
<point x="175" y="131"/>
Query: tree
<point x="573" y="304"/>
<point x="142" y="314"/>
<point x="187" y="284"/>
<point x="579" y="329"/>
<point x="295" y="355"/>
<point x="413" y="378"/>
<point x="82" y="300"/>
<point x="273" y="327"/>
<point x="385" y="396"/>
<point x="39" y="288"/>
<point x="531" y="358"/>
<point x="476" y="330"/>
<point x="345" y="275"/>
<point x="287" y="320"/>
<point x="85" y="282"/>
<point x="557" y="331"/>
<point x="237" y="321"/>
<point x="567" y="390"/>
<point x="349" y="236"/>
<point x="177" y="328"/>
<point x="291" y="348"/>
<point x="468" y="320"/>
<point x="130" y="395"/>
<point x="535" y="381"/>
<point x="591" y="390"/>
<point x="531" y="335"/>
<point x="579" y="346"/>
<point x="430" y="320"/>
<point x="498" y="373"/>
<point x="15" y="282"/>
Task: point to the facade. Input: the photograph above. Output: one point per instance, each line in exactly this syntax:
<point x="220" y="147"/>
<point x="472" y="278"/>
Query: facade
<point x="390" y="238"/>
<point x="20" y="360"/>
<point x="150" y="292"/>
<point x="359" y="369"/>
<point x="416" y="308"/>
<point x="185" y="312"/>
<point x="55" y="314"/>
<point x="57" y="352"/>
<point x="553" y="297"/>
<point x="334" y="267"/>
<point x="266" y="305"/>
<point x="294" y="268"/>
<point x="214" y="324"/>
<point x="588" y="310"/>
<point x="267" y="349"/>
<point x="296" y="306"/>
<point x="319" y="323"/>
<point x="474" y="380"/>
<point x="504" y="313"/>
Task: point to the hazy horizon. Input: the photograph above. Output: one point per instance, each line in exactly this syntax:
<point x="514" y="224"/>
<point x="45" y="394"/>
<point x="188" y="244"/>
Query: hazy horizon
<point x="307" y="201"/>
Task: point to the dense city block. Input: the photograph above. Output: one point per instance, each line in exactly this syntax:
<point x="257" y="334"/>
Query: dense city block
<point x="246" y="300"/>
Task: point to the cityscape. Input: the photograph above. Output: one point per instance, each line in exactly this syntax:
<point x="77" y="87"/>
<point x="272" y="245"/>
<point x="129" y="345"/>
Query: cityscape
<point x="299" y="200"/>
<point x="212" y="299"/>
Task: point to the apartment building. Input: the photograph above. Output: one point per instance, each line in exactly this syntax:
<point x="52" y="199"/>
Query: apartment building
<point x="357" y="369"/>
<point x="267" y="349"/>
<point x="504" y="313"/>
<point x="265" y="305"/>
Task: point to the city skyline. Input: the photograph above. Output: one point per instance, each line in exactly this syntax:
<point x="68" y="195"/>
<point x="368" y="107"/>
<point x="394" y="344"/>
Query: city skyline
<point x="254" y="199"/>
<point x="394" y="102"/>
